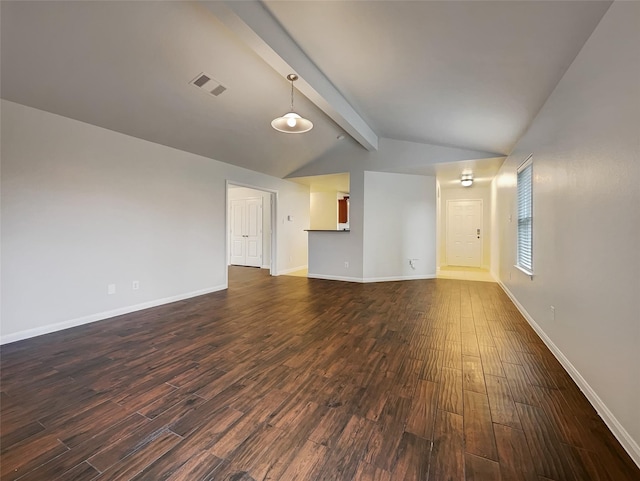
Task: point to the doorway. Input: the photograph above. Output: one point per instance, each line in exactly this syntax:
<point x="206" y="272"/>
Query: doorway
<point x="464" y="233"/>
<point x="246" y="232"/>
<point x="250" y="227"/>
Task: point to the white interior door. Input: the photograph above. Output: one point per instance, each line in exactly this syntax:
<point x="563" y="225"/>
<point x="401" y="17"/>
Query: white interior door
<point x="246" y="232"/>
<point x="464" y="233"/>
<point x="238" y="250"/>
<point x="253" y="233"/>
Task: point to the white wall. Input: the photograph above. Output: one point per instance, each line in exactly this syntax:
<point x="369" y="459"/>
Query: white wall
<point x="328" y="251"/>
<point x="586" y="196"/>
<point x="324" y="210"/>
<point x="497" y="226"/>
<point x="392" y="219"/>
<point x="235" y="193"/>
<point x="83" y="207"/>
<point x="475" y="192"/>
<point x="399" y="224"/>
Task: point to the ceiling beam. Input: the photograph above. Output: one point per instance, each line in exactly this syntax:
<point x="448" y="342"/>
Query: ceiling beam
<point x="251" y="21"/>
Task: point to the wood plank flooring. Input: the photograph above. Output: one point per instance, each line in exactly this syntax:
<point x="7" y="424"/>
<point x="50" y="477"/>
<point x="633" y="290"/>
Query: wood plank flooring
<point x="301" y="379"/>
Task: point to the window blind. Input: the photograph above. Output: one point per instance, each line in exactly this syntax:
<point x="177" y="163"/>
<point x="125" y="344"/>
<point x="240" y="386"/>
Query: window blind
<point x="525" y="217"/>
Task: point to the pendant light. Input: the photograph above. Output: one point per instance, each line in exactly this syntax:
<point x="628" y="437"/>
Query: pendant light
<point x="292" y="123"/>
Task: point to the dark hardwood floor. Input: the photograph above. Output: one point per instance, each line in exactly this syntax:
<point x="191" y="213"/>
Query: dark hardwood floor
<point x="297" y="379"/>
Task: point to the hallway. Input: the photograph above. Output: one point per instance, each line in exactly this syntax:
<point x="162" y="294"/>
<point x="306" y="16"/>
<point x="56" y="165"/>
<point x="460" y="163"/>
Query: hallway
<point x="465" y="274"/>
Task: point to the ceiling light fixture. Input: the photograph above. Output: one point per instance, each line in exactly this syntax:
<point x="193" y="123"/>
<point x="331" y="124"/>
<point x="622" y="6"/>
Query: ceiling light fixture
<point x="466" y="180"/>
<point x="292" y="123"/>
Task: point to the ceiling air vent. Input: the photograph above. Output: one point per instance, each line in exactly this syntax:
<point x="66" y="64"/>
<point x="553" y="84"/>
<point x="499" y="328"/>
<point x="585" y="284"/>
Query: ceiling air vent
<point x="208" y="84"/>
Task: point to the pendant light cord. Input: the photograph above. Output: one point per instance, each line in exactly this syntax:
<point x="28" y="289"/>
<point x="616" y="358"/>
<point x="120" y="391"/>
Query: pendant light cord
<point x="291" y="95"/>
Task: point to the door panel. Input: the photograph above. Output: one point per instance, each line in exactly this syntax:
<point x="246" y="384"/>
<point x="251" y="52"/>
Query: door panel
<point x="246" y="232"/>
<point x="238" y="249"/>
<point x="464" y="233"/>
<point x="254" y="232"/>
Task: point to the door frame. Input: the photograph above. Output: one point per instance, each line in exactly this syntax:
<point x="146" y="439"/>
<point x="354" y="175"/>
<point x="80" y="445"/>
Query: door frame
<point x="446" y="232"/>
<point x="273" y="270"/>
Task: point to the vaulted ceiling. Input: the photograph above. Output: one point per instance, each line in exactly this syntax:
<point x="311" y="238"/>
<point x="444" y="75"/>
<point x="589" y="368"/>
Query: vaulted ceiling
<point x="465" y="74"/>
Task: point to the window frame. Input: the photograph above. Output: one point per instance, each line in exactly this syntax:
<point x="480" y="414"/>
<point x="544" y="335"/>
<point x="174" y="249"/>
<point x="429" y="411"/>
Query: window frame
<point x="520" y="240"/>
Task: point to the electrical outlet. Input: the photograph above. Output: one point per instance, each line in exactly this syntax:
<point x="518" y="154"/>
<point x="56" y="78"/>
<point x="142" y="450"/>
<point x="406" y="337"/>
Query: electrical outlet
<point x="135" y="285"/>
<point x="111" y="289"/>
<point x="346" y="264"/>
<point x="553" y="313"/>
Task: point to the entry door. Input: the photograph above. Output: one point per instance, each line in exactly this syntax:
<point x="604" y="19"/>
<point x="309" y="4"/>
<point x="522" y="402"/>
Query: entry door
<point x="246" y="232"/>
<point x="464" y="233"/>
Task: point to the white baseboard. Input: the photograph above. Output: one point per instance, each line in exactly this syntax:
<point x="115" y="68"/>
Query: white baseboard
<point x="292" y="269"/>
<point x="399" y="278"/>
<point x="494" y="275"/>
<point x="367" y="280"/>
<point x="59" y="326"/>
<point x="627" y="442"/>
<point x="310" y="275"/>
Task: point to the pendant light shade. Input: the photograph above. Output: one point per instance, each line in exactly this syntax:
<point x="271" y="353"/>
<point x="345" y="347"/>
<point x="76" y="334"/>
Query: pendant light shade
<point x="291" y="122"/>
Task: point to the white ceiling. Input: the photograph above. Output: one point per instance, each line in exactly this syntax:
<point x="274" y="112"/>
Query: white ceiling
<point x="467" y="74"/>
<point x="126" y="66"/>
<point x="448" y="174"/>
